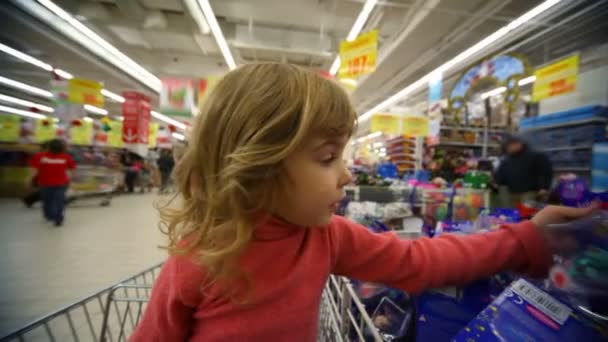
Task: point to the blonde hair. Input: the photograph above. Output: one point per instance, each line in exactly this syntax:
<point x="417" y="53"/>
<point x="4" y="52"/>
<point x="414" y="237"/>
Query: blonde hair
<point x="233" y="166"/>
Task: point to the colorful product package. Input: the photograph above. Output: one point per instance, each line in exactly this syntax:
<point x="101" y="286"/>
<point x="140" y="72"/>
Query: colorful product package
<point x="580" y="272"/>
<point x="523" y="312"/>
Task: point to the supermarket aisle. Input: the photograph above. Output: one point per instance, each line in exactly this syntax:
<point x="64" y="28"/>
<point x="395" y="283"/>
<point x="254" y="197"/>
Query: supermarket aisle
<point x="44" y="268"/>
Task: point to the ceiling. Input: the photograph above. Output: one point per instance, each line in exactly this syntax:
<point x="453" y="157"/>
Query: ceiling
<point x="416" y="36"/>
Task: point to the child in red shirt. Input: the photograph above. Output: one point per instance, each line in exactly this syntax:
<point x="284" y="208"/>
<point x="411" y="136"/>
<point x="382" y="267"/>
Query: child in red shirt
<point x="253" y="239"/>
<point x="52" y="168"/>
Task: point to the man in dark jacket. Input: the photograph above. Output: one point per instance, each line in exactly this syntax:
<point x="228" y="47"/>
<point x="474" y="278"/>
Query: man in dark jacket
<point x="165" y="165"/>
<point x="525" y="173"/>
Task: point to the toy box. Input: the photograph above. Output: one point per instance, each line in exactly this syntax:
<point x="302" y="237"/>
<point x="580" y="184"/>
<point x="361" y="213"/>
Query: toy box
<point x="523" y="312"/>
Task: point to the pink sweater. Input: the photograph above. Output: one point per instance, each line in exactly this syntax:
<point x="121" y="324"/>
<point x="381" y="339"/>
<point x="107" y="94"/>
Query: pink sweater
<point x="290" y="266"/>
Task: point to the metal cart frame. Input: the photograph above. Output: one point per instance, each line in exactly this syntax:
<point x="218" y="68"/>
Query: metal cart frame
<point x="113" y="313"/>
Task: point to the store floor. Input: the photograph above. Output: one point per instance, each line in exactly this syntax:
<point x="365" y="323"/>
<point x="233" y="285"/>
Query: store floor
<point x="43" y="268"/>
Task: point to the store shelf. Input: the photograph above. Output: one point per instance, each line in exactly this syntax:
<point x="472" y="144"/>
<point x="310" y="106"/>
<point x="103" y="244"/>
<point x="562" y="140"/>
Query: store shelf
<point x="471" y="129"/>
<point x="464" y="144"/>
<point x="565" y="124"/>
<point x="572" y="168"/>
<point x="565" y="148"/>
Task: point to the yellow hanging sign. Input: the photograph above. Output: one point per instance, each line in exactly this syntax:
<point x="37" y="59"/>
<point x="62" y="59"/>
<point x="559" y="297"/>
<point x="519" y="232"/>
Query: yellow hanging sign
<point x="82" y="134"/>
<point x="556" y="78"/>
<point x="152" y="132"/>
<point x="115" y="134"/>
<point x="358" y="57"/>
<point x="415" y="126"/>
<point x="10" y="127"/>
<point x="85" y="92"/>
<point x="385" y="123"/>
<point x="45" y="130"/>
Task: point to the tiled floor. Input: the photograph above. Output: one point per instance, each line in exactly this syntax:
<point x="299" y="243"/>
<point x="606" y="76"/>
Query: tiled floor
<point x="43" y="268"/>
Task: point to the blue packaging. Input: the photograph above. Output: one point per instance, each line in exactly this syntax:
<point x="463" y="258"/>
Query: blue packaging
<point x="523" y="312"/>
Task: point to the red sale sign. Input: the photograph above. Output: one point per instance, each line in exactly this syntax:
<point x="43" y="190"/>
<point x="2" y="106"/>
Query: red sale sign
<point x="136" y="121"/>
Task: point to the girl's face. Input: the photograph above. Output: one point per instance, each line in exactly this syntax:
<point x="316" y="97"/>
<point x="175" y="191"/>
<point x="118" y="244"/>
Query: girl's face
<point x="317" y="176"/>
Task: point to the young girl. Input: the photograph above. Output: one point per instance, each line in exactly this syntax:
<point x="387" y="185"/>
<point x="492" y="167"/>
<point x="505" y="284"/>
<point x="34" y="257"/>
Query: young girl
<point x="254" y="237"/>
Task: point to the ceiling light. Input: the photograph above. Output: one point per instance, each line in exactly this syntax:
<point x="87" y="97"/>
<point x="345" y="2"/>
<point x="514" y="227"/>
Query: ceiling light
<point x="112" y="95"/>
<point x="25" y="87"/>
<point x="26" y="58"/>
<point x="197" y="15"/>
<point x="178" y="136"/>
<point x="21" y="112"/>
<point x="168" y="120"/>
<point x="207" y="12"/>
<point x="493" y="92"/>
<point x="355" y="30"/>
<point x="25" y="103"/>
<point x="88" y="119"/>
<point x="527" y="80"/>
<point x="95" y="110"/>
<point x="63" y="74"/>
<point x="484" y="43"/>
<point x="91" y="40"/>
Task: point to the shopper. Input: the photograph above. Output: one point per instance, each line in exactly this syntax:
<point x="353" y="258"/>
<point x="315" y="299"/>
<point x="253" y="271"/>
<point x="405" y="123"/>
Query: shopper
<point x="253" y="239"/>
<point x="132" y="164"/>
<point x="165" y="166"/>
<point x="524" y="173"/>
<point x="33" y="195"/>
<point x="52" y="175"/>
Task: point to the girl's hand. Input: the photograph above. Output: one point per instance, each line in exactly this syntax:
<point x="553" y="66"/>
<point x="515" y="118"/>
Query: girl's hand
<point x="560" y="242"/>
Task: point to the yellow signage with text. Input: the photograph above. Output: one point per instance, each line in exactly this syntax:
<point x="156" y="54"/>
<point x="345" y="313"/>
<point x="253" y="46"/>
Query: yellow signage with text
<point x="385" y="123"/>
<point x="10" y="127"/>
<point x="358" y="57"/>
<point x="556" y="78"/>
<point x="115" y="134"/>
<point x="45" y="130"/>
<point x="85" y="92"/>
<point x="152" y="132"/>
<point x="82" y="134"/>
<point x="415" y="126"/>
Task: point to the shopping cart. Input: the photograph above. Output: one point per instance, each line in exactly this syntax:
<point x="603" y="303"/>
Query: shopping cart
<point x="93" y="182"/>
<point x="113" y="313"/>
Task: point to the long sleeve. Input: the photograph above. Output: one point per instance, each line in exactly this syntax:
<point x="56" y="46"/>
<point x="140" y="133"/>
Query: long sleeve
<point x="416" y="265"/>
<point x="175" y="297"/>
<point x="545" y="171"/>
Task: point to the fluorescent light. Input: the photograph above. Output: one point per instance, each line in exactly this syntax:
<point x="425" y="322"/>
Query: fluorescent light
<point x="527" y="80"/>
<point x="21" y="112"/>
<point x="355" y="30"/>
<point x="95" y="110"/>
<point x="215" y="29"/>
<point x="26" y="87"/>
<point x="378" y="144"/>
<point x="63" y="74"/>
<point x="112" y="95"/>
<point x="382" y="154"/>
<point x="361" y="19"/>
<point x="25" y="103"/>
<point x="168" y="120"/>
<point x="493" y="92"/>
<point x="369" y="136"/>
<point x="197" y="15"/>
<point x="178" y="136"/>
<point x="94" y="42"/>
<point x="88" y="119"/>
<point x="484" y="43"/>
<point x="24" y="57"/>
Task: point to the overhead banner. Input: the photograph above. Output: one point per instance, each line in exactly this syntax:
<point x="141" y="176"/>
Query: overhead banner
<point x="177" y="97"/>
<point x="45" y="130"/>
<point x="415" y="126"/>
<point x="358" y="57"/>
<point x="556" y="79"/>
<point x="10" y="128"/>
<point x="85" y="92"/>
<point x="205" y="87"/>
<point x="385" y="123"/>
<point x="136" y="122"/>
<point x="82" y="133"/>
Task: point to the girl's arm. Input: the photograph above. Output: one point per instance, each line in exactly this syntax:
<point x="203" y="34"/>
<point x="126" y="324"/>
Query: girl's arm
<point x="175" y="297"/>
<point x="416" y="265"/>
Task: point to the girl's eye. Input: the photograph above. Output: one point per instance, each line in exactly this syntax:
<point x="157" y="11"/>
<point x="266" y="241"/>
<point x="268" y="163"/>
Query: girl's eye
<point x="328" y="159"/>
